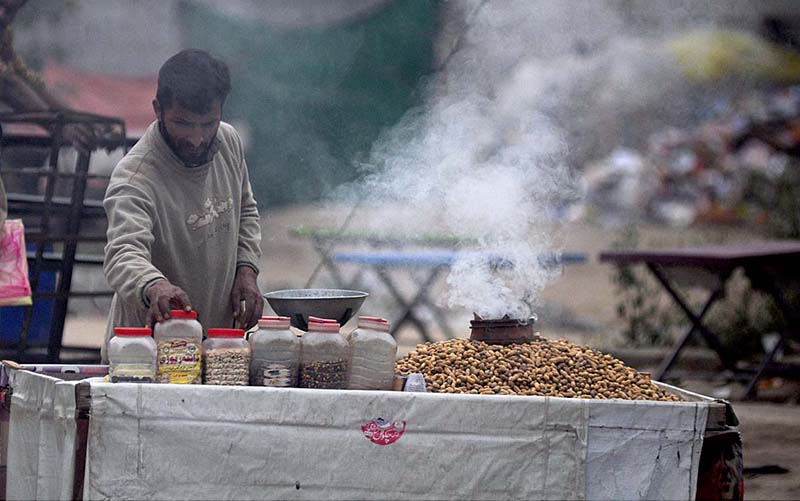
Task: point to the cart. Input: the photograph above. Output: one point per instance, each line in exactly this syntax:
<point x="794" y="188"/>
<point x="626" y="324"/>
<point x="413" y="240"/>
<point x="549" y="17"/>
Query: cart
<point x="73" y="436"/>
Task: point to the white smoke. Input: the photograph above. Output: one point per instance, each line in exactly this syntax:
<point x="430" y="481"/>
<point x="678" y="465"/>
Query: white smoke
<point x="486" y="171"/>
<point x="486" y="156"/>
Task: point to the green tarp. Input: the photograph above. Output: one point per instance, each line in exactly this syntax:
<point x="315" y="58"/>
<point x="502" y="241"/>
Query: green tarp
<point x="315" y="99"/>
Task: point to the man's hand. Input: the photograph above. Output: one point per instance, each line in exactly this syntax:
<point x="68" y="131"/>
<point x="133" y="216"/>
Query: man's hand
<point x="81" y="136"/>
<point x="86" y="138"/>
<point x="246" y="300"/>
<point x="163" y="297"/>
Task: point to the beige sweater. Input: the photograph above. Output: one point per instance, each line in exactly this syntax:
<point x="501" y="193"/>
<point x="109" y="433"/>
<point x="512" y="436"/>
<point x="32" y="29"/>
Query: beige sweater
<point x="192" y="226"/>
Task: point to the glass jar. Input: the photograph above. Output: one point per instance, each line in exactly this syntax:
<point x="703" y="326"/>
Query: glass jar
<point x="415" y="382"/>
<point x="132" y="355"/>
<point x="226" y="357"/>
<point x="372" y="355"/>
<point x="275" y="353"/>
<point x="179" y="341"/>
<point x="324" y="355"/>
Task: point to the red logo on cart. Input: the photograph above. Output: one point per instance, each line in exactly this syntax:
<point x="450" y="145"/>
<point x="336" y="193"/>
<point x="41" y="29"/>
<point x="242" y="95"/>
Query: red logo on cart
<point x="381" y="432"/>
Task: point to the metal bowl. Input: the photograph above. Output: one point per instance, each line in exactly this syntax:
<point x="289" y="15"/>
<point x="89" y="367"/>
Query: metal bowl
<point x="299" y="304"/>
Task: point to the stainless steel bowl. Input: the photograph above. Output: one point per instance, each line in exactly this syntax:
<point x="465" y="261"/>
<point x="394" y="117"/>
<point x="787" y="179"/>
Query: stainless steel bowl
<point x="299" y="304"/>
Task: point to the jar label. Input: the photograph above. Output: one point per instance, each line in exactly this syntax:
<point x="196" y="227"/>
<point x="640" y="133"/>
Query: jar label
<point x="132" y="373"/>
<point x="179" y="361"/>
<point x="277" y="375"/>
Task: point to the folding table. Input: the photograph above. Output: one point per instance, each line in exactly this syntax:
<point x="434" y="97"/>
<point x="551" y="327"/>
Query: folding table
<point x="382" y="262"/>
<point x="327" y="241"/>
<point x="387" y="256"/>
<point x="435" y="261"/>
<point x="771" y="266"/>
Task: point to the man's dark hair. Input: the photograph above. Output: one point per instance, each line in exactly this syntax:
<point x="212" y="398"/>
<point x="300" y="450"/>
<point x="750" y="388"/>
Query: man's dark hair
<point x="193" y="79"/>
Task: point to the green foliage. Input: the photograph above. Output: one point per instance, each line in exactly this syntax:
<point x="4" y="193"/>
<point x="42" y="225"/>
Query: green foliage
<point x="775" y="201"/>
<point x="313" y="100"/>
<point x="647" y="320"/>
<point x="651" y="318"/>
<point x="743" y="317"/>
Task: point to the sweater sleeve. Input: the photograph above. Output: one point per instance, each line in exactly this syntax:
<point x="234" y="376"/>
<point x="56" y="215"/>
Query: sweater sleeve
<point x="127" y="265"/>
<point x="249" y="247"/>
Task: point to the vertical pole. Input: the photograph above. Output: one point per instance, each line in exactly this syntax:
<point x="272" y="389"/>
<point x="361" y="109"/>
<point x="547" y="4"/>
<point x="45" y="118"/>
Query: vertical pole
<point x="44" y="222"/>
<point x="68" y="258"/>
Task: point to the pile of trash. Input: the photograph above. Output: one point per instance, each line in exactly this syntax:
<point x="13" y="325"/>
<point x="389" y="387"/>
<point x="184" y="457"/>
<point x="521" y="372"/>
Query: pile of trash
<point x="702" y="174"/>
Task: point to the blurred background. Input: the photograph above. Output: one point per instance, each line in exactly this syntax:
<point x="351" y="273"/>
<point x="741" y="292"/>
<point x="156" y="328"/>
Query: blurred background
<point x="316" y="82"/>
<point x="383" y="135"/>
<point x="595" y="123"/>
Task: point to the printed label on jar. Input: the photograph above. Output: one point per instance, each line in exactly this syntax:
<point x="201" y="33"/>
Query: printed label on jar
<point x="132" y="373"/>
<point x="277" y="375"/>
<point x="179" y="361"/>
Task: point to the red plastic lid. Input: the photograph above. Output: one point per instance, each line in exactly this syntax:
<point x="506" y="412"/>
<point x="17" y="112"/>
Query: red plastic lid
<point x="322" y="324"/>
<point x="132" y="331"/>
<point x="276" y="319"/>
<point x="182" y="314"/>
<point x="374" y="319"/>
<point x="274" y="322"/>
<point x="218" y="332"/>
<point x="322" y="320"/>
<point x="376" y="323"/>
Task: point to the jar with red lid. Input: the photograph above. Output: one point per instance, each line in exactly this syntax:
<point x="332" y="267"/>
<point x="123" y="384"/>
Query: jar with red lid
<point x="275" y="353"/>
<point x="226" y="357"/>
<point x="132" y="355"/>
<point x="373" y="351"/>
<point x="179" y="340"/>
<point x="324" y="357"/>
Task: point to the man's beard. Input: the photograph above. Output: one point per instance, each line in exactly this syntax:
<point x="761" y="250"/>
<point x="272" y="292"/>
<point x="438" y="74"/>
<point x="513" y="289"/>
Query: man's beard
<point x="183" y="150"/>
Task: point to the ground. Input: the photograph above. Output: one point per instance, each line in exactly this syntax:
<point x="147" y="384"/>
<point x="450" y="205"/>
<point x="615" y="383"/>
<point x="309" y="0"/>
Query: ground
<point x="579" y="305"/>
<point x="771" y="436"/>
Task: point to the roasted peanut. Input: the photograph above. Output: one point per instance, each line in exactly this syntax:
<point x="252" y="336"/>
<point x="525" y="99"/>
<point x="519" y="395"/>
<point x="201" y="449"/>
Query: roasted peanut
<point x="543" y="367"/>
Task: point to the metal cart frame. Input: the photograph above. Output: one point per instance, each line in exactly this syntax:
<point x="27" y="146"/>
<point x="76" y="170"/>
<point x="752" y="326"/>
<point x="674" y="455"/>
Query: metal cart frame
<point x="56" y="251"/>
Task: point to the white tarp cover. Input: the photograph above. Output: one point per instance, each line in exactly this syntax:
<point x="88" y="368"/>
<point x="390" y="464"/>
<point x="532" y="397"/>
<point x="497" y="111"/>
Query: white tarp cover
<point x="203" y="442"/>
<point x="644" y="450"/>
<point x="41" y="437"/>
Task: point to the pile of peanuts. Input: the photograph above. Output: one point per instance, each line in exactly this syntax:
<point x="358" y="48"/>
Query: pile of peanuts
<point x="544" y="367"/>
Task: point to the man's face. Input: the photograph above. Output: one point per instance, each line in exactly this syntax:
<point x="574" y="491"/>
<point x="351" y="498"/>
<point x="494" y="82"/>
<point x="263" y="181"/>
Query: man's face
<point x="190" y="134"/>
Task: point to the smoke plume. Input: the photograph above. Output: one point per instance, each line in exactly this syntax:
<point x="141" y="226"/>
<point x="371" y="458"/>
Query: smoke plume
<point x="486" y="156"/>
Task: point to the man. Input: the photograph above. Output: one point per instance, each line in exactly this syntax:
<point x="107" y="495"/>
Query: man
<point x="22" y="90"/>
<point x="183" y="226"/>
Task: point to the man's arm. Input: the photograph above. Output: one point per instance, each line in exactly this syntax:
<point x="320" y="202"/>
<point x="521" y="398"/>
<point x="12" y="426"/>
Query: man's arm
<point x="248" y="252"/>
<point x="24" y="96"/>
<point x="248" y="255"/>
<point x="20" y="95"/>
<point x="127" y="265"/>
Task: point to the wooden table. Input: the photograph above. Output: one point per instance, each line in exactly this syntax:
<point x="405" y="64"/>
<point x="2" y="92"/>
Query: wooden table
<point x="772" y="267"/>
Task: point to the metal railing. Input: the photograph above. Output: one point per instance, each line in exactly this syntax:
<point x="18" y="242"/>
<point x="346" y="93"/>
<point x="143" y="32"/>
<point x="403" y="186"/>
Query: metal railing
<point x="53" y="222"/>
